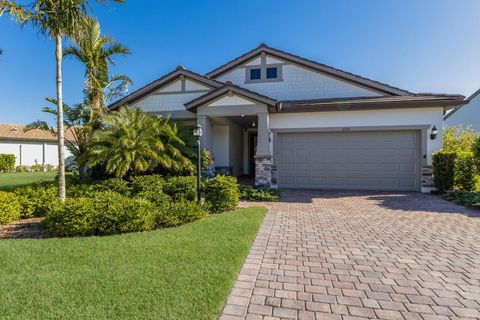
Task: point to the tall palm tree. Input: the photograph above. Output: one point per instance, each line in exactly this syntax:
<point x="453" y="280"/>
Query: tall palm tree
<point x="56" y="19"/>
<point x="131" y="141"/>
<point x="97" y="52"/>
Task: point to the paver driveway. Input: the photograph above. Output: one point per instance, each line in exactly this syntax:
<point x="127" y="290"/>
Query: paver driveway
<point x="359" y="255"/>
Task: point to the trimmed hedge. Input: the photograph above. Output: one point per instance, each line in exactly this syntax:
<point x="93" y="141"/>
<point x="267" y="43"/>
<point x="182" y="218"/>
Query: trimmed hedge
<point x="444" y="170"/>
<point x="152" y="183"/>
<point x="465" y="171"/>
<point x="221" y="194"/>
<point x="36" y="200"/>
<point x="249" y="193"/>
<point x="105" y="213"/>
<point x="115" y="185"/>
<point x="9" y="207"/>
<point x="174" y="214"/>
<point x="7" y="162"/>
<point x="181" y="188"/>
<point x="465" y="198"/>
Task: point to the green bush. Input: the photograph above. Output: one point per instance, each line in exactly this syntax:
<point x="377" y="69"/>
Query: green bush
<point x="465" y="198"/>
<point x="181" y="188"/>
<point x="7" y="162"/>
<point x="115" y="185"/>
<point x="444" y="170"/>
<point x="104" y="213"/>
<point x="476" y="153"/>
<point x="81" y="190"/>
<point x="36" y="200"/>
<point x="249" y="193"/>
<point x="37" y="168"/>
<point x="221" y="193"/>
<point x="22" y="169"/>
<point x="50" y="167"/>
<point x="9" y="207"/>
<point x="152" y="183"/>
<point x="465" y="171"/>
<point x="174" y="214"/>
<point x="158" y="198"/>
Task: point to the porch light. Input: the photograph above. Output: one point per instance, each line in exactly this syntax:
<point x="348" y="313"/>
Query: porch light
<point x="434" y="133"/>
<point x="197" y="133"/>
<point x="254" y="124"/>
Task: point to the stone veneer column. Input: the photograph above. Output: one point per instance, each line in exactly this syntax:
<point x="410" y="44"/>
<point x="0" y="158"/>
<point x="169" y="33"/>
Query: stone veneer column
<point x="427" y="179"/>
<point x="265" y="170"/>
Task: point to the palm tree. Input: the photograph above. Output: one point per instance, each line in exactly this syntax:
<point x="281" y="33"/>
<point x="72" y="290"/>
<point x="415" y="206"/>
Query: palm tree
<point x="131" y="141"/>
<point x="96" y="52"/>
<point x="56" y="19"/>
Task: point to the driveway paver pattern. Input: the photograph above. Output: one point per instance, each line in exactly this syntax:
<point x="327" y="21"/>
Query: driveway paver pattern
<point x="361" y="255"/>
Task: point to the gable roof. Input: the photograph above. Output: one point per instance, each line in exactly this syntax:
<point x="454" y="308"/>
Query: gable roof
<point x="448" y="115"/>
<point x="17" y="132"/>
<point x="153" y="86"/>
<point x="230" y="87"/>
<point x="337" y="73"/>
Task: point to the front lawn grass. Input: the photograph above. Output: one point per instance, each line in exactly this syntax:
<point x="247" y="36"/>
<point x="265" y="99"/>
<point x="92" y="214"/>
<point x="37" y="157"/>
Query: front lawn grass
<point x="12" y="181"/>
<point x="178" y="273"/>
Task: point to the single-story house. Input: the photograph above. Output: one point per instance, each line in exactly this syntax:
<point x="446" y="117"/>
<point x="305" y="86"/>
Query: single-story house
<point x="296" y="123"/>
<point x="467" y="115"/>
<point x="31" y="147"/>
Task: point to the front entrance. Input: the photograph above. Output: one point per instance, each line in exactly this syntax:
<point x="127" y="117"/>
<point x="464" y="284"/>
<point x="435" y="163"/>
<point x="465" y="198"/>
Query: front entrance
<point x="252" y="147"/>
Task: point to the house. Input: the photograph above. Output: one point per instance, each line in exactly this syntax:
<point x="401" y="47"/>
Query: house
<point x="467" y="115"/>
<point x="31" y="147"/>
<point x="296" y="123"/>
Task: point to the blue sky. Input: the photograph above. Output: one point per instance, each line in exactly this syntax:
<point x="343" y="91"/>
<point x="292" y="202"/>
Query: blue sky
<point x="421" y="46"/>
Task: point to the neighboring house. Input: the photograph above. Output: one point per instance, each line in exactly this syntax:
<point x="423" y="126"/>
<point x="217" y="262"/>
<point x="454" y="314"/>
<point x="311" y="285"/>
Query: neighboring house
<point x="31" y="147"/>
<point x="296" y="123"/>
<point x="467" y="115"/>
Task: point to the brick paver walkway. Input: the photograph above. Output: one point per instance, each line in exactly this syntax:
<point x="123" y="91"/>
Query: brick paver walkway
<point x="359" y="255"/>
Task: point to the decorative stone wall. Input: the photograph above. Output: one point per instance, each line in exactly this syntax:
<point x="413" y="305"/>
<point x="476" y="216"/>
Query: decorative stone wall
<point x="265" y="172"/>
<point x="427" y="178"/>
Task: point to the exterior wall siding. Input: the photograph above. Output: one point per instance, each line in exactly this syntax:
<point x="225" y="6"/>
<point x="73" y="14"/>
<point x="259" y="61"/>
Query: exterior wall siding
<point x="468" y="115"/>
<point x="300" y="83"/>
<point x="32" y="152"/>
<point x="166" y="102"/>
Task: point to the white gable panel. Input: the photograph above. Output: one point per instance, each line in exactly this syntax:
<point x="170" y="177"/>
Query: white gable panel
<point x="271" y="60"/>
<point x="194" y="86"/>
<point x="254" y="62"/>
<point x="300" y="83"/>
<point x="166" y="102"/>
<point x="233" y="100"/>
<point x="468" y="115"/>
<point x="173" y="87"/>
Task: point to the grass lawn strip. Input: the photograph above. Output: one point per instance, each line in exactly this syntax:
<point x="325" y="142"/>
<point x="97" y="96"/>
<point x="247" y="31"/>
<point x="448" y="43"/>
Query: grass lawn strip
<point x="178" y="273"/>
<point x="11" y="181"/>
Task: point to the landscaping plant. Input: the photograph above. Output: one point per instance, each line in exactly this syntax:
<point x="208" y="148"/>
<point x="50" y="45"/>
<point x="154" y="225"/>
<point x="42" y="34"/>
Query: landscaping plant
<point x="444" y="170"/>
<point x="249" y="193"/>
<point x="221" y="194"/>
<point x="181" y="188"/>
<point x="465" y="171"/>
<point x="9" y="207"/>
<point x="7" y="162"/>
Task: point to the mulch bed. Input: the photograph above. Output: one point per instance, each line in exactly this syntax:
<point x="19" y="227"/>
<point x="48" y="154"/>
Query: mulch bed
<point x="21" y="229"/>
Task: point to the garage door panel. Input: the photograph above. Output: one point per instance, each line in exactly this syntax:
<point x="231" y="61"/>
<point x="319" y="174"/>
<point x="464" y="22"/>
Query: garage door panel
<point x="376" y="160"/>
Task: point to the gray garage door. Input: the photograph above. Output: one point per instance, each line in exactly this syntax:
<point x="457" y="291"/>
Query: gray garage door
<point x="366" y="160"/>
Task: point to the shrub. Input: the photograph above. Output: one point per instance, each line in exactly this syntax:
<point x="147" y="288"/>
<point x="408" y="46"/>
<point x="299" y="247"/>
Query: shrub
<point x="36" y="200"/>
<point x="466" y="198"/>
<point x="104" y="213"/>
<point x="459" y="139"/>
<point x="50" y="167"/>
<point x="221" y="194"/>
<point x="152" y="183"/>
<point x="22" y="169"/>
<point x="181" y="188"/>
<point x="249" y="193"/>
<point x="476" y="153"/>
<point x="37" y="168"/>
<point x="443" y="170"/>
<point x="157" y="198"/>
<point x="115" y="185"/>
<point x="9" y="207"/>
<point x="465" y="170"/>
<point x="81" y="190"/>
<point x="177" y="213"/>
<point x="7" y="162"/>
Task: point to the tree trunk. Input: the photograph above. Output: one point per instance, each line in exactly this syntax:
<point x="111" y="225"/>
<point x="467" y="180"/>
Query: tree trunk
<point x="60" y="130"/>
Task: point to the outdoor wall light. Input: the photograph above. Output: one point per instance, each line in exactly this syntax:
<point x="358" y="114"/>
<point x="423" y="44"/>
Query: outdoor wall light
<point x="434" y="133"/>
<point x="254" y="124"/>
<point x="198" y="131"/>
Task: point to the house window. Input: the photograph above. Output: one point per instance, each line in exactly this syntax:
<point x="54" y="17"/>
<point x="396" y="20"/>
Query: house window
<point x="255" y="74"/>
<point x="272" y="73"/>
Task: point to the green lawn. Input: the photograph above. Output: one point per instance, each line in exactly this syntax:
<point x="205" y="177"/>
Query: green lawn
<point x="11" y="181"/>
<point x="179" y="273"/>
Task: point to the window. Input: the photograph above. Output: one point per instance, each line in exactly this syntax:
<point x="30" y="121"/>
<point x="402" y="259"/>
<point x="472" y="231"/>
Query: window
<point x="272" y="73"/>
<point x="255" y="74"/>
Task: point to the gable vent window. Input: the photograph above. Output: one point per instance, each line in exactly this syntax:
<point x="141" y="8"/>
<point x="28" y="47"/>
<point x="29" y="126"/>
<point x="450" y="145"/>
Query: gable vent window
<point x="272" y="73"/>
<point x="255" y="74"/>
